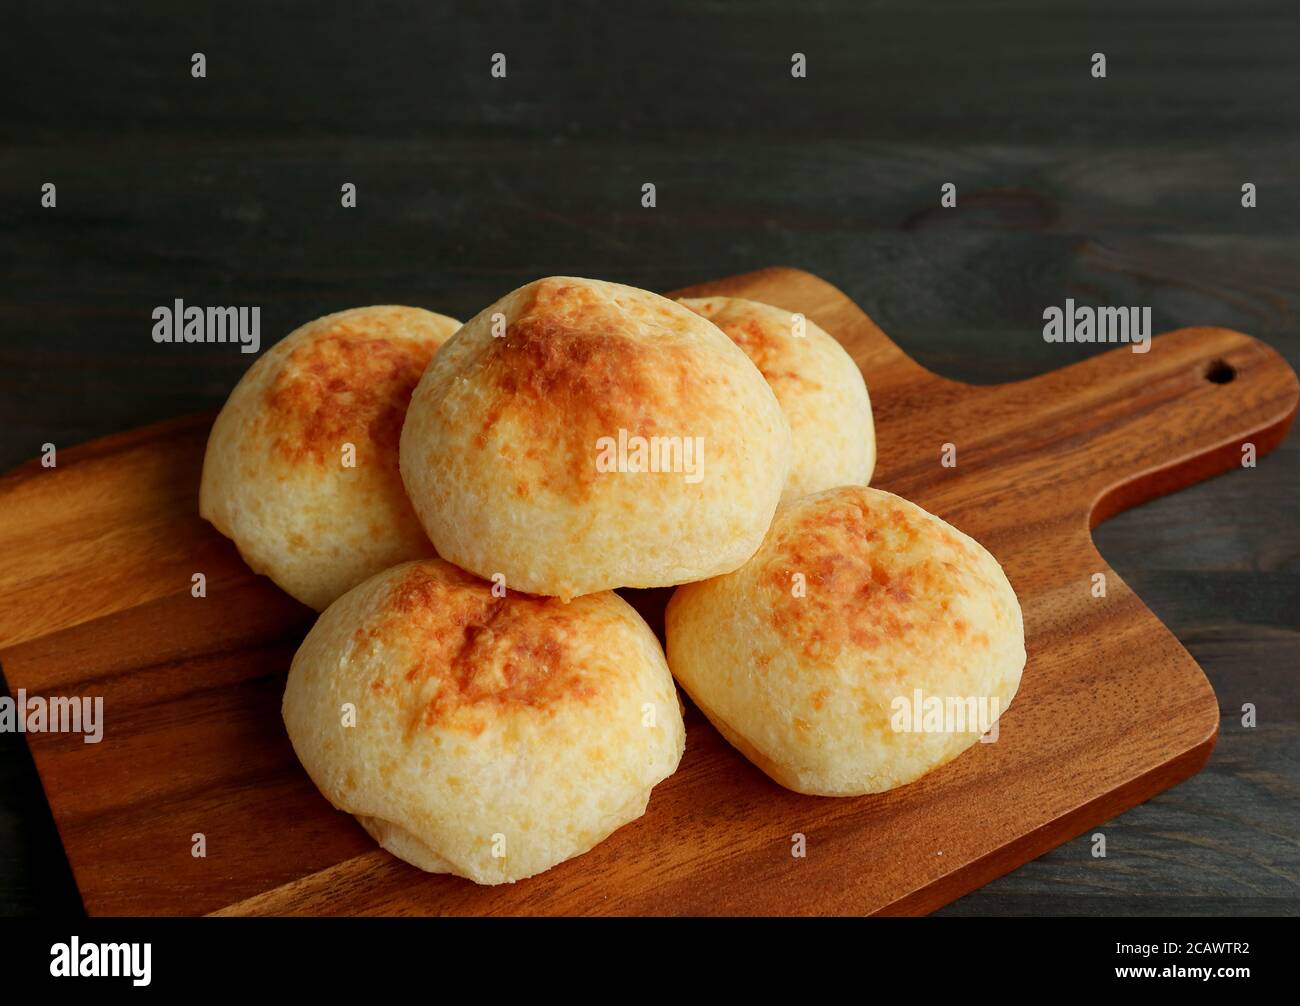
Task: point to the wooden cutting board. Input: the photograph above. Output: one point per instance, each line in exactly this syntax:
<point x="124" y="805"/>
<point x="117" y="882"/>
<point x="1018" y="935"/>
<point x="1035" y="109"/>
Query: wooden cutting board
<point x="96" y="557"/>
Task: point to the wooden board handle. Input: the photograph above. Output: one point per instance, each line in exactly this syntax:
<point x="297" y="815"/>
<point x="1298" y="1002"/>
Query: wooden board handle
<point x="1125" y="427"/>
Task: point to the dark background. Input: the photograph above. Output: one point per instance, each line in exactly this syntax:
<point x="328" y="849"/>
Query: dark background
<point x="1118" y="191"/>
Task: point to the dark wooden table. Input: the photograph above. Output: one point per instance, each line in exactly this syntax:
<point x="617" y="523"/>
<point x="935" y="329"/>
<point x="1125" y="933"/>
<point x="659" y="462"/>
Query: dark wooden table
<point x="1121" y="191"/>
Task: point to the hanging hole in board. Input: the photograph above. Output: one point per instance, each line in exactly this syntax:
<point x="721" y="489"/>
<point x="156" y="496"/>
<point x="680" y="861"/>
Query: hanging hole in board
<point x="1220" y="372"/>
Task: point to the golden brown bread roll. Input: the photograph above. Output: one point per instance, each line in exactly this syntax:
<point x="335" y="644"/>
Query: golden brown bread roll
<point x="820" y="388"/>
<point x="493" y="736"/>
<point x="580" y="435"/>
<point x="821" y="658"/>
<point x="276" y="476"/>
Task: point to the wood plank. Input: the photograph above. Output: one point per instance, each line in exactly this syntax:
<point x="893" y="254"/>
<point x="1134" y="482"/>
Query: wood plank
<point x="1112" y="709"/>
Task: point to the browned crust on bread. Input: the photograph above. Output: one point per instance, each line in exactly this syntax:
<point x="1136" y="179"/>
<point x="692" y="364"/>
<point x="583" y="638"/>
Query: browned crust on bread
<point x="472" y="656"/>
<point x="768" y="346"/>
<point x="345" y="386"/>
<point x="572" y="369"/>
<point x="867" y="582"/>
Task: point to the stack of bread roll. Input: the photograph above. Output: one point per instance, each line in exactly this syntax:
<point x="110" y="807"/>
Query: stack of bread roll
<point x="461" y="502"/>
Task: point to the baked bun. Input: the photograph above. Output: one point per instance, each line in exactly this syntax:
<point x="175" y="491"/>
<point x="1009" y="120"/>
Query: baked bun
<point x="820" y="389"/>
<point x="275" y="476"/>
<point x="511" y="724"/>
<point x="516" y="435"/>
<point x="828" y="683"/>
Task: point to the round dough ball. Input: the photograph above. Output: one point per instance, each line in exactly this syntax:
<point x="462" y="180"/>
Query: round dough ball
<point x="820" y="389"/>
<point x="275" y="478"/>
<point x="822" y="658"/>
<point x="578" y="435"/>
<point x="516" y="725"/>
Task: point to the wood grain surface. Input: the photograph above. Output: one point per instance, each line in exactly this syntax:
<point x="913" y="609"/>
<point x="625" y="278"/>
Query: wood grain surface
<point x="95" y="565"/>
